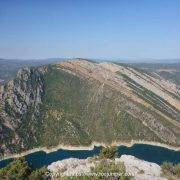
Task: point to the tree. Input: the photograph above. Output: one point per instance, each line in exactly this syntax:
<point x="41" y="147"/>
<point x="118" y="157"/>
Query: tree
<point x="17" y="170"/>
<point x="109" y="152"/>
<point x="38" y="174"/>
<point x="20" y="170"/>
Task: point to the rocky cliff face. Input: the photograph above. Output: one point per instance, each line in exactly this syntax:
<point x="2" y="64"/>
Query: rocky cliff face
<point x="20" y="104"/>
<point x="78" y="102"/>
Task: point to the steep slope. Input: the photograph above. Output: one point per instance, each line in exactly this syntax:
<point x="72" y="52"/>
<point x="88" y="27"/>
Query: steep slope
<point x="78" y="102"/>
<point x="170" y="71"/>
<point x="20" y="102"/>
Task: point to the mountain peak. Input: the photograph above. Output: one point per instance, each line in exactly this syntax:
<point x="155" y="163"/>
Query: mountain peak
<point x="78" y="102"/>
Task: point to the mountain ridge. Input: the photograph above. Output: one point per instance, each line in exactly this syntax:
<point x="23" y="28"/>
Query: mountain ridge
<point x="82" y="101"/>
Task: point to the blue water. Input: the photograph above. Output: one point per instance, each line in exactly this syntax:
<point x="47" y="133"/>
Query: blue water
<point x="149" y="153"/>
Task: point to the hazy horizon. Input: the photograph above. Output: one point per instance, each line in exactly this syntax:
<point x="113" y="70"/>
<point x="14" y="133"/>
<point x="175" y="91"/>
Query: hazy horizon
<point x="125" y="60"/>
<point x="127" y="30"/>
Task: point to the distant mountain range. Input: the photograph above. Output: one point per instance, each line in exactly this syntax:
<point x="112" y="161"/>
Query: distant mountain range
<point x="80" y="101"/>
<point x="10" y="67"/>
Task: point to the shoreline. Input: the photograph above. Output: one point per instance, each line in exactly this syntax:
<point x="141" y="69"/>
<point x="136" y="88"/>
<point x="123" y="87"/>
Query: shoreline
<point x="90" y="147"/>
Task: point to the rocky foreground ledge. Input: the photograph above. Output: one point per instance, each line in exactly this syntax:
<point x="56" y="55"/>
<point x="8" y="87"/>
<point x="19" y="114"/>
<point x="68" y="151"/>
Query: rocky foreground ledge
<point x="134" y="167"/>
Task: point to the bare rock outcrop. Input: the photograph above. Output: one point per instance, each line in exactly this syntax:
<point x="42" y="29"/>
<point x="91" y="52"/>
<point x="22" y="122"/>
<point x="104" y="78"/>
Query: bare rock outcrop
<point x="137" y="168"/>
<point x="20" y="102"/>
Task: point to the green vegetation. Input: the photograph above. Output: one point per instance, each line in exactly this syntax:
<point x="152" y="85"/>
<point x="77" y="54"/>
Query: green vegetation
<point x="109" y="152"/>
<point x="38" y="174"/>
<point x="108" y="167"/>
<point x="75" y="111"/>
<point x="169" y="170"/>
<point x="106" y="163"/>
<point x="63" y="103"/>
<point x="20" y="170"/>
<point x="114" y="170"/>
<point x="141" y="171"/>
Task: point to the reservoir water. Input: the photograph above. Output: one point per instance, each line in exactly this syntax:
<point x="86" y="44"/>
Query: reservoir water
<point x="149" y="153"/>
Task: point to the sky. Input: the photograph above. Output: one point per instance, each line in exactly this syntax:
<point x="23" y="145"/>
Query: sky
<point x="109" y="29"/>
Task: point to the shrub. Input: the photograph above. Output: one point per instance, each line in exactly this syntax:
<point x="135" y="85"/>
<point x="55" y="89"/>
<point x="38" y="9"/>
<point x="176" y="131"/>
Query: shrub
<point x="141" y="171"/>
<point x="176" y="170"/>
<point x="168" y="169"/>
<point x="109" y="152"/>
<point x="20" y="170"/>
<point x="107" y="167"/>
<point x="38" y="174"/>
